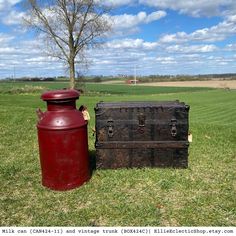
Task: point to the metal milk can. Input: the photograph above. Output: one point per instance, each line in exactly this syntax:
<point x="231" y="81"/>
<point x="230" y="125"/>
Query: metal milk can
<point x="63" y="141"/>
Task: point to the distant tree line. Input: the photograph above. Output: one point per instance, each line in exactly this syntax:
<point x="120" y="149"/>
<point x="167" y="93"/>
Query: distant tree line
<point x="33" y="79"/>
<point x="81" y="79"/>
<point x="167" y="78"/>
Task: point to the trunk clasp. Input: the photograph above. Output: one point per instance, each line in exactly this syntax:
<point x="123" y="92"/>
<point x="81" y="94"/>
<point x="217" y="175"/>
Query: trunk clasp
<point x="110" y="126"/>
<point x="141" y="122"/>
<point x="173" y="127"/>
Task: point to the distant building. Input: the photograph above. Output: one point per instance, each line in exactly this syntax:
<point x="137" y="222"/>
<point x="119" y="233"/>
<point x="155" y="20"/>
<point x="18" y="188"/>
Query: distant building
<point x="131" y="81"/>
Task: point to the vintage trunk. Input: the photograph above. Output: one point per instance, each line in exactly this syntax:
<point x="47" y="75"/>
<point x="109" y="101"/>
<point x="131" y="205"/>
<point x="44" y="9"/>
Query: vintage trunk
<point x="141" y="134"/>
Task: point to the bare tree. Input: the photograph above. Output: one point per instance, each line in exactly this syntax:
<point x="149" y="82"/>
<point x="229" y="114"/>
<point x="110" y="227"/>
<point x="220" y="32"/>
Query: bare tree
<point x="68" y="27"/>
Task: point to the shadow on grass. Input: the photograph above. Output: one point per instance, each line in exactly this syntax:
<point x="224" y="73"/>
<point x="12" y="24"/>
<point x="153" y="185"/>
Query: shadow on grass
<point x="92" y="161"/>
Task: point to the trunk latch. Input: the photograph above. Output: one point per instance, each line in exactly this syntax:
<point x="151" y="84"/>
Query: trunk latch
<point x="141" y="120"/>
<point x="110" y="128"/>
<point x="173" y="127"/>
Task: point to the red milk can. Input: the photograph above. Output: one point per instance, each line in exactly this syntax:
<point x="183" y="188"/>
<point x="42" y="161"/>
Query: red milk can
<point x="63" y="141"/>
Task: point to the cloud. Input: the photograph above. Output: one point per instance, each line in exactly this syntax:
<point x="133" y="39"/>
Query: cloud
<point x="166" y="60"/>
<point x="13" y="18"/>
<point x="25" y="56"/>
<point x="6" y="4"/>
<point x="139" y="45"/>
<point x="230" y="47"/>
<point x="116" y="3"/>
<point x="193" y="8"/>
<point x="215" y="33"/>
<point x="176" y="53"/>
<point x="231" y="18"/>
<point x="131" y="44"/>
<point x="191" y="49"/>
<point x="122" y="24"/>
<point x="8" y="15"/>
<point x="128" y="21"/>
<point x="155" y="16"/>
<point x="120" y="56"/>
<point x="117" y="56"/>
<point x="7" y="50"/>
<point x="5" y="39"/>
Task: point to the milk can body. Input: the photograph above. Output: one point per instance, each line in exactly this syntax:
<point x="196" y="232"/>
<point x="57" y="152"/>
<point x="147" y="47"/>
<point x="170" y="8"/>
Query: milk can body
<point x="63" y="141"/>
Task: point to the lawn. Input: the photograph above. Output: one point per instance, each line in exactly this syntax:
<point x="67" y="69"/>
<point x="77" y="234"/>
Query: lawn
<point x="202" y="195"/>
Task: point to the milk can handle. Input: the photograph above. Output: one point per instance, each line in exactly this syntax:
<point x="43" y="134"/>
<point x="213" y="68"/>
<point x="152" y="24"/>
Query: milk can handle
<point x="39" y="113"/>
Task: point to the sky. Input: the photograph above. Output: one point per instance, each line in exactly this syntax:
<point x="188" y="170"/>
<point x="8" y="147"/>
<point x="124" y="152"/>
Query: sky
<point x="164" y="37"/>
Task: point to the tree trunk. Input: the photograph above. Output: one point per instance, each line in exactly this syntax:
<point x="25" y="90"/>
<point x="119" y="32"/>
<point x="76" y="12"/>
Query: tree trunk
<point x="72" y="73"/>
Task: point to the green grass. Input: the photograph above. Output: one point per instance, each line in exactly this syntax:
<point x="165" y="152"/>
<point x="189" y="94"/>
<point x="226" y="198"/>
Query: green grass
<point x="202" y="195"/>
<point x="93" y="88"/>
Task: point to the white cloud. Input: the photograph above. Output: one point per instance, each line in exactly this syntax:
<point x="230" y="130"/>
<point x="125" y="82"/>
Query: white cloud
<point x="166" y="60"/>
<point x="6" y="50"/>
<point x="124" y="54"/>
<point x="128" y="21"/>
<point x="192" y="49"/>
<point x="122" y="24"/>
<point x="213" y="34"/>
<point x="172" y="54"/>
<point x="131" y="44"/>
<point x="13" y="18"/>
<point x="5" y="38"/>
<point x="127" y="24"/>
<point x="6" y="4"/>
<point x="231" y="18"/>
<point x="36" y="59"/>
<point x="23" y="57"/>
<point x="230" y="47"/>
<point x="118" y="56"/>
<point x="155" y="16"/>
<point x="194" y="8"/>
<point x="174" y="38"/>
<point x="116" y="3"/>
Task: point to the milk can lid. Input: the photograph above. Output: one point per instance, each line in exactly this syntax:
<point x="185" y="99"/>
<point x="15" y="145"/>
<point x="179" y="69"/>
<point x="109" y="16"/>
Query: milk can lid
<point x="60" y="95"/>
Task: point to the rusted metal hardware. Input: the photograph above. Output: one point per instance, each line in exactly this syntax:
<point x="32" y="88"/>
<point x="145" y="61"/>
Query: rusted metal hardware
<point x="110" y="128"/>
<point x="173" y="127"/>
<point x="141" y="120"/>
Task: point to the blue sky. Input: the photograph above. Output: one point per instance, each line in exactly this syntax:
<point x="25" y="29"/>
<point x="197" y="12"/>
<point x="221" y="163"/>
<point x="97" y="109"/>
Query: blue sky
<point x="155" y="36"/>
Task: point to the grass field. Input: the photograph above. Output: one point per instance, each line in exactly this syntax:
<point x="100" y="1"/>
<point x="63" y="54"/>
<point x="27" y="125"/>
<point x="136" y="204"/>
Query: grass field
<point x="202" y="195"/>
<point x="93" y="88"/>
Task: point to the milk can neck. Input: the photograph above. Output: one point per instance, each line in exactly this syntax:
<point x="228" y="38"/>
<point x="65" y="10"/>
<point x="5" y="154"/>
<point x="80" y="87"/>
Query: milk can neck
<point x="61" y="105"/>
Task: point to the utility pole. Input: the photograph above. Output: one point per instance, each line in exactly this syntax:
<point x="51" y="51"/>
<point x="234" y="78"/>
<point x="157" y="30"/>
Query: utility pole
<point x="135" y="75"/>
<point x="14" y="72"/>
